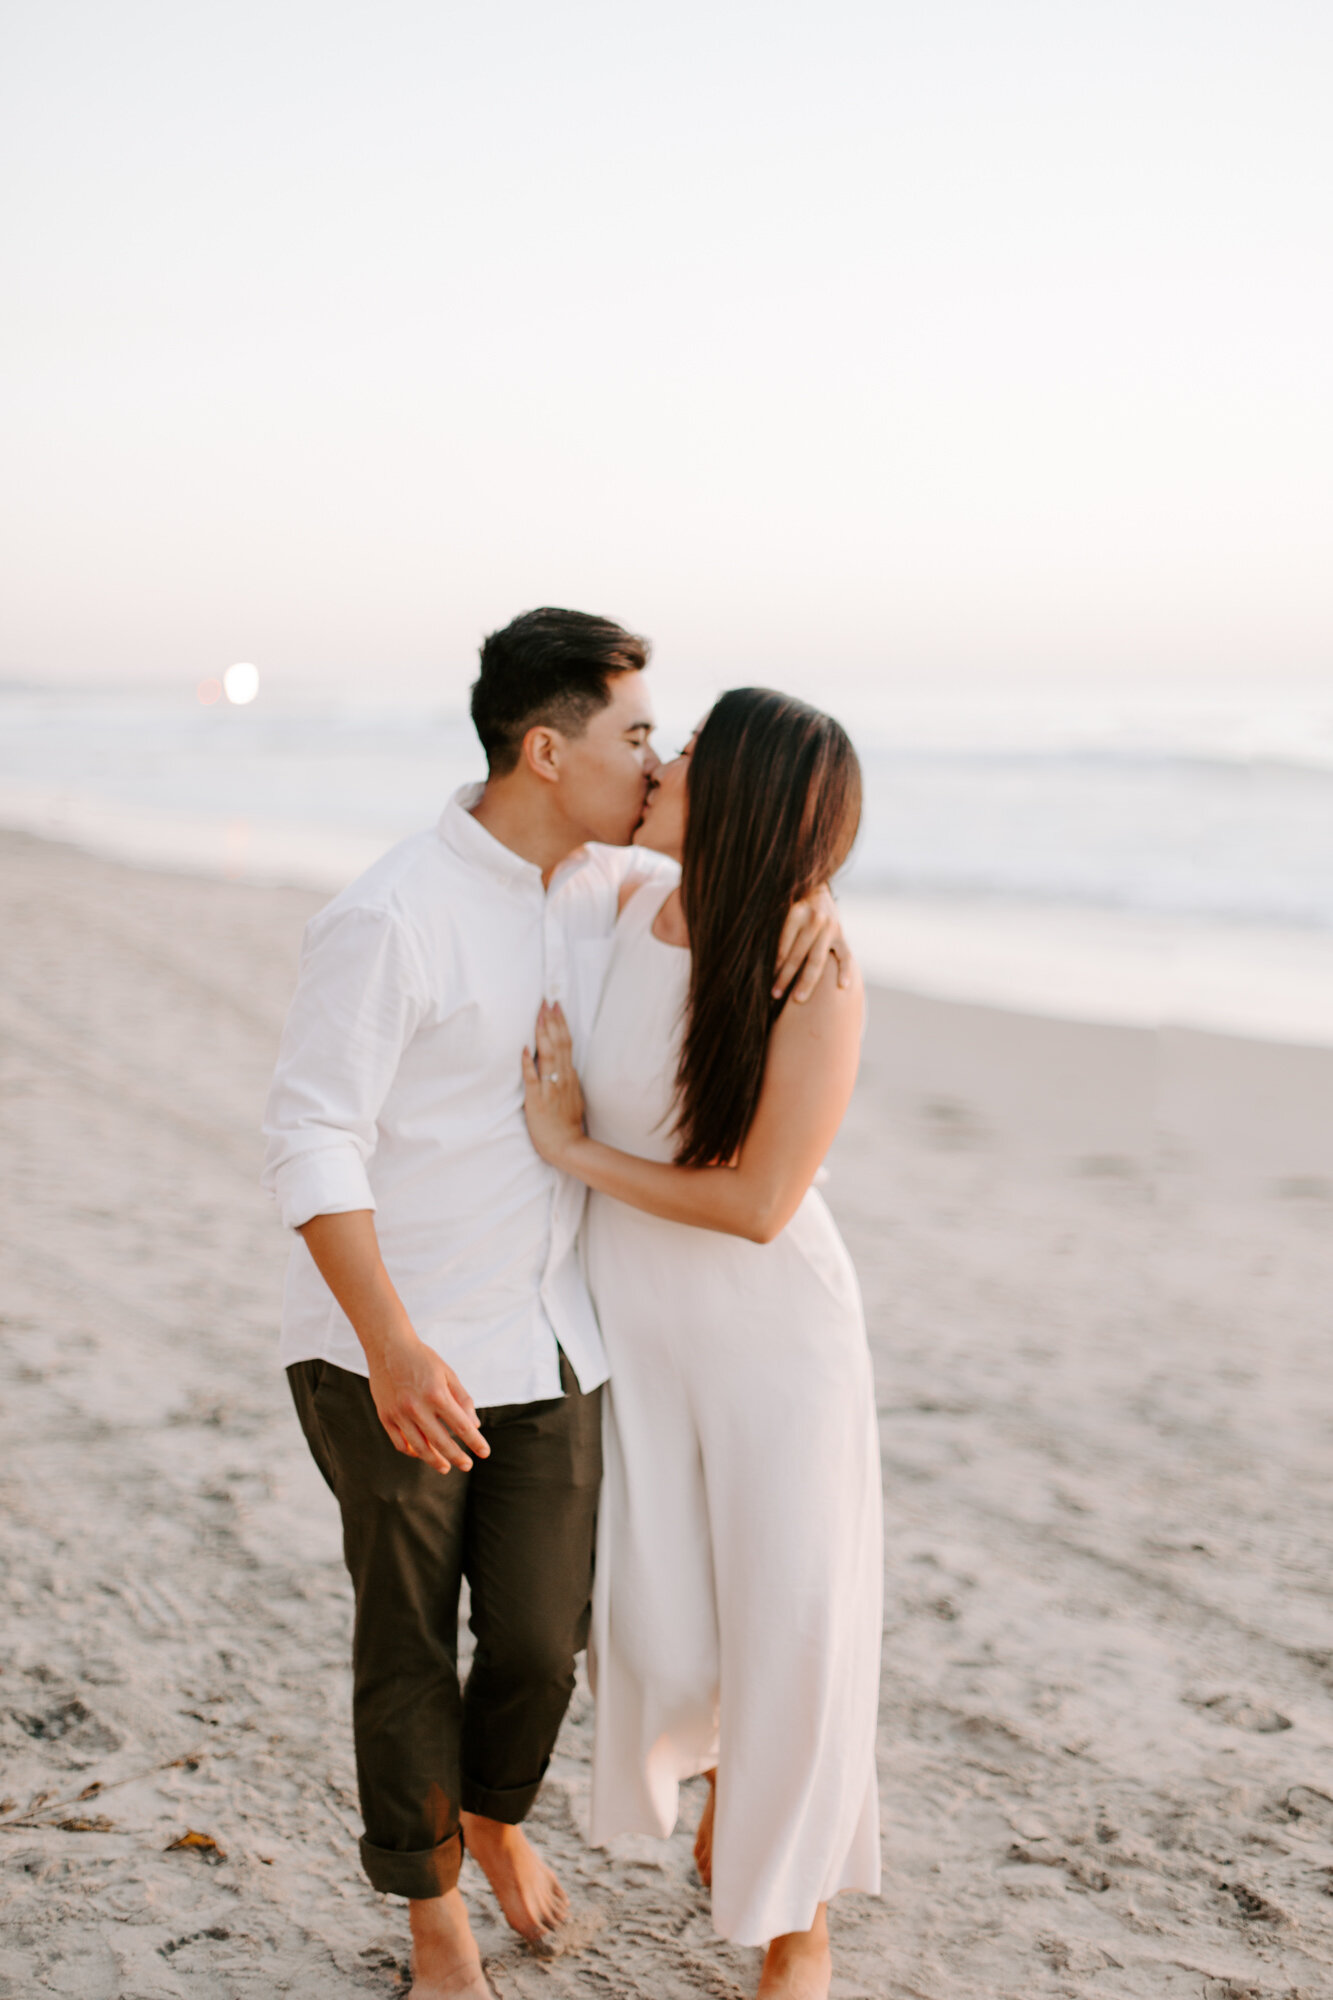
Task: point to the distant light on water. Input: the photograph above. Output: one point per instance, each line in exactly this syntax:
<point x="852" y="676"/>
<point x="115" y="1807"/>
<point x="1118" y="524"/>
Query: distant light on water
<point x="209" y="691"/>
<point x="241" y="683"/>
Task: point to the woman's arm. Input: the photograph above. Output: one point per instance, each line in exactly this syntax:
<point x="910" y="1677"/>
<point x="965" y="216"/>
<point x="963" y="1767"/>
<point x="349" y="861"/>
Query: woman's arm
<point x="813" y="1053"/>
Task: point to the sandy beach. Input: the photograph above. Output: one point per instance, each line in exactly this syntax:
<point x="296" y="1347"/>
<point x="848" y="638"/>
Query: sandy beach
<point x="1098" y="1268"/>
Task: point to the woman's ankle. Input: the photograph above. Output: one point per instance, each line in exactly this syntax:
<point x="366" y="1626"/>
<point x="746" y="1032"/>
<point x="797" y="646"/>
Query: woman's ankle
<point x="815" y="1939"/>
<point x="798" y="1965"/>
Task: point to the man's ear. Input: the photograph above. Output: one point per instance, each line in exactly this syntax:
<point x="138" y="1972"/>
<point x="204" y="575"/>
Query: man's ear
<point x="542" y="746"/>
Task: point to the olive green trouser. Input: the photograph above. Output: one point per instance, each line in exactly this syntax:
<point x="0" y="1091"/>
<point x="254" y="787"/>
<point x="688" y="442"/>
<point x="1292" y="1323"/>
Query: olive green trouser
<point x="519" y="1526"/>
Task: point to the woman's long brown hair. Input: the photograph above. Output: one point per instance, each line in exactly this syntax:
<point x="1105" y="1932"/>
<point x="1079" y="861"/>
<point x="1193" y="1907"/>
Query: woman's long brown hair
<point x="774" y="795"/>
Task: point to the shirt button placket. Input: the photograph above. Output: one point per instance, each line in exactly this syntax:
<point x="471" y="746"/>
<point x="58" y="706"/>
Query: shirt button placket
<point x="553" y="988"/>
<point x="555" y="982"/>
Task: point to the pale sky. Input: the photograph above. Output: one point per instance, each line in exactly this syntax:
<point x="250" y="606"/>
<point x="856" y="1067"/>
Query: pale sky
<point x="822" y="342"/>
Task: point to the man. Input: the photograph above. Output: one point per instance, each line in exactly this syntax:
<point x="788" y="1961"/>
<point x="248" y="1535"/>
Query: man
<point x="441" y="1347"/>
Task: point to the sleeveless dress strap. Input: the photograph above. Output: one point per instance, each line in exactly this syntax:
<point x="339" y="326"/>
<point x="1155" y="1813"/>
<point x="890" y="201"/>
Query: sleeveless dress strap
<point x="641" y="910"/>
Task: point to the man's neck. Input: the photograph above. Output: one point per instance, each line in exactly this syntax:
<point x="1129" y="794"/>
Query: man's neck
<point x="527" y="823"/>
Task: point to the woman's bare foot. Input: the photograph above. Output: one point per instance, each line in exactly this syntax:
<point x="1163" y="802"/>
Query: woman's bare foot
<point x="525" y="1888"/>
<point x="798" y="1966"/>
<point x="446" y="1964"/>
<point x="703" y="1839"/>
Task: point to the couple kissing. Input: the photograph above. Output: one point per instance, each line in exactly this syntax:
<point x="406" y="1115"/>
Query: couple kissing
<point x="554" y="1090"/>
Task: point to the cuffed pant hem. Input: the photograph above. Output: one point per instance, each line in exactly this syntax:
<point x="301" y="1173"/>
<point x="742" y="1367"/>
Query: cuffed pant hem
<point x="431" y="1872"/>
<point x="510" y="1808"/>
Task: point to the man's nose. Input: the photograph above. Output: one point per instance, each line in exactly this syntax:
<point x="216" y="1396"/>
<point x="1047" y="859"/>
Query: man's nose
<point x="652" y="763"/>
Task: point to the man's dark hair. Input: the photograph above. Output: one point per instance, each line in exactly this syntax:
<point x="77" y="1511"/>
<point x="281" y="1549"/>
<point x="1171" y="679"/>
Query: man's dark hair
<point x="547" y="666"/>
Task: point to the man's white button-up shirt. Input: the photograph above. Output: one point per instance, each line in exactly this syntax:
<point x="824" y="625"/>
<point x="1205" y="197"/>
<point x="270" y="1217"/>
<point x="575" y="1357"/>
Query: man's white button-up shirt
<point x="399" y="1088"/>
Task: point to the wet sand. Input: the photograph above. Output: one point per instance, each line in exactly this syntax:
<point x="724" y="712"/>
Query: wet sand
<point x="1098" y="1269"/>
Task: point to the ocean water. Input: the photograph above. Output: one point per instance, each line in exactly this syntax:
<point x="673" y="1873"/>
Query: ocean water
<point x="1137" y="855"/>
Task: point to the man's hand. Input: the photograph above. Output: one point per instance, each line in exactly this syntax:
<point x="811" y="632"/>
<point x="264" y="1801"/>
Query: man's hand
<point x="813" y="929"/>
<point x="423" y="1405"/>
<point x="421" y="1402"/>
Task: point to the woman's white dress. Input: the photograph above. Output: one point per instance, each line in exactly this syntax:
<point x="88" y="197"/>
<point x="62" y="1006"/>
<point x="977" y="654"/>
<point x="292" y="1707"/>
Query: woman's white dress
<point x="737" y="1604"/>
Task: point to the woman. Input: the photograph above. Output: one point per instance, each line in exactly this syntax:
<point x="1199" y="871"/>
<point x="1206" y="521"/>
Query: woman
<point x="736" y="1624"/>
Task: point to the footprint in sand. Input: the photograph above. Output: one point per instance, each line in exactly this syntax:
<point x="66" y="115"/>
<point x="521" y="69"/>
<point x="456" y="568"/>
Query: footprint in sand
<point x="1306" y="1802"/>
<point x="1242" y="1713"/>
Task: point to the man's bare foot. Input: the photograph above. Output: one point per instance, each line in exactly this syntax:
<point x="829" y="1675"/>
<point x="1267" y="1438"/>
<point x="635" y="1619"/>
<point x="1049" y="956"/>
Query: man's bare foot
<point x="532" y="1900"/>
<point x="798" y="1966"/>
<point x="703" y="1839"/>
<point x="446" y="1964"/>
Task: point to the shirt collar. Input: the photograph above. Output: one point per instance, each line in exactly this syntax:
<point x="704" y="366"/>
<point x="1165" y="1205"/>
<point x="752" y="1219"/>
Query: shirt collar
<point x="468" y="838"/>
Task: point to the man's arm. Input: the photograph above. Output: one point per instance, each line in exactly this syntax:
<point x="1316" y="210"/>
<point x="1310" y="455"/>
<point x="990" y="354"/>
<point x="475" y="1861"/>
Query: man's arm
<point x="359" y="998"/>
<point x="421" y="1402"/>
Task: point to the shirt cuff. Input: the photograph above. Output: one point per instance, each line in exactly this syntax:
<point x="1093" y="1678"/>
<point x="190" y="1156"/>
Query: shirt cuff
<point x="332" y="1181"/>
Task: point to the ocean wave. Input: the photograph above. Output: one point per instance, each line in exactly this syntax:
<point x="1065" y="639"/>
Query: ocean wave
<point x="1226" y="814"/>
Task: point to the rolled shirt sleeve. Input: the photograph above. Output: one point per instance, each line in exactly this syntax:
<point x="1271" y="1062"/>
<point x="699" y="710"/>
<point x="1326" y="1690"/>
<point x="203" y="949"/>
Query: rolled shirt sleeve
<point x="360" y="996"/>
